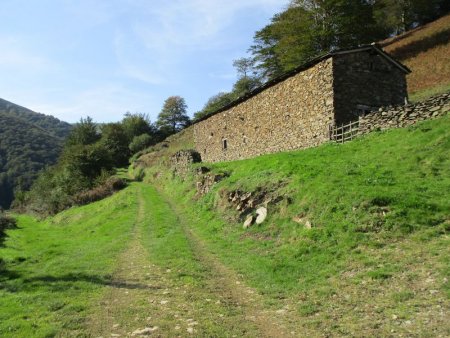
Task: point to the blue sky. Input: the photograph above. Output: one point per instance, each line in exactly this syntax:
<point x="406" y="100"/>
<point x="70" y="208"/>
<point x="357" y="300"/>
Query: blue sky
<point x="73" y="58"/>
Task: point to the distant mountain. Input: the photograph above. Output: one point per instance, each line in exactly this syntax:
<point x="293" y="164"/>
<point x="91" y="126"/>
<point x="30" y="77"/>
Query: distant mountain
<point x="29" y="141"/>
<point x="48" y="123"/>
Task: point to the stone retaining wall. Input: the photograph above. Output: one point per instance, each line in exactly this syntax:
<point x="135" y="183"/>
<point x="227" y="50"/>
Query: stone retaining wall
<point x="181" y="161"/>
<point x="402" y="116"/>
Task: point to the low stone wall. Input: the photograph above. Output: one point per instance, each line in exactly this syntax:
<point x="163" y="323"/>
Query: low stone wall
<point x="402" y="116"/>
<point x="181" y="161"/>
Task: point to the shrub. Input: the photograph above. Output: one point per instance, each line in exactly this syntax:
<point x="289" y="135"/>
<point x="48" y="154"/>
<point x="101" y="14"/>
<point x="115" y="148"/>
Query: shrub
<point x="140" y="143"/>
<point x="139" y="174"/>
<point x="106" y="189"/>
<point x="6" y="222"/>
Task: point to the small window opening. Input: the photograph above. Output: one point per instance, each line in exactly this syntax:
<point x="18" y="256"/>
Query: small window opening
<point x="224" y="144"/>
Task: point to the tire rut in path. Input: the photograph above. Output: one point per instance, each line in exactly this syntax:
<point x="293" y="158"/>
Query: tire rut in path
<point x="227" y="283"/>
<point x="145" y="299"/>
<point x="121" y="310"/>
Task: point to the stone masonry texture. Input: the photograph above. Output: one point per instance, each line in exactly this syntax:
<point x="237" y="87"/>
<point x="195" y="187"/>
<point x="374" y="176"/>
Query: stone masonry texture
<point x="297" y="112"/>
<point x="403" y="116"/>
<point x="290" y="115"/>
<point x="365" y="79"/>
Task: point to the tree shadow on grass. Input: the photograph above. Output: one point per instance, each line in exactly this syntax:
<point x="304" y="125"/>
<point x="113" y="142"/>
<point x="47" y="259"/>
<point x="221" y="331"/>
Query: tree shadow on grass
<point x="61" y="283"/>
<point x="420" y="46"/>
<point x="400" y="37"/>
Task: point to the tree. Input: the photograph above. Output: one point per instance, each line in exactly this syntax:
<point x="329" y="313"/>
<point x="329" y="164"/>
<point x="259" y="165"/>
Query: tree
<point x="86" y="161"/>
<point x="398" y="16"/>
<point x="115" y="140"/>
<point x="85" y="132"/>
<point x="244" y="86"/>
<point x="137" y="124"/>
<point x="244" y="66"/>
<point x="140" y="143"/>
<point x="312" y="27"/>
<point x="173" y="116"/>
<point x="214" y="103"/>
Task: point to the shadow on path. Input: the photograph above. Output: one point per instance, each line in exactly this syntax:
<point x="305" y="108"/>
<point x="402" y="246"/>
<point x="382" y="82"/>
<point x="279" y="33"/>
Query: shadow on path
<point x="56" y="283"/>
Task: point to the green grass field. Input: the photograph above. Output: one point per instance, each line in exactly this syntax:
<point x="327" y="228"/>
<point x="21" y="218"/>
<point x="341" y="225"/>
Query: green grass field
<point x="380" y="213"/>
<point x="156" y="257"/>
<point x="56" y="268"/>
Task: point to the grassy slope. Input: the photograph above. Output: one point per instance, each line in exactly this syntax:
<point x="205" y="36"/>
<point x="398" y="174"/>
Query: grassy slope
<point x="377" y="257"/>
<point x="426" y="51"/>
<point x="57" y="267"/>
<point x="78" y="274"/>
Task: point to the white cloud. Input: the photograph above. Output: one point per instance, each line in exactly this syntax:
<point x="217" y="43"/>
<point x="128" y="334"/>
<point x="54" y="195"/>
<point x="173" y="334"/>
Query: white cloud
<point x="167" y="32"/>
<point x="104" y="57"/>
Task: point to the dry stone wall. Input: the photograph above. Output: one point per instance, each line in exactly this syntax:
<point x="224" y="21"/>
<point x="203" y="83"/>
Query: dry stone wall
<point x="402" y="116"/>
<point x="292" y="114"/>
<point x="181" y="161"/>
<point x="365" y="79"/>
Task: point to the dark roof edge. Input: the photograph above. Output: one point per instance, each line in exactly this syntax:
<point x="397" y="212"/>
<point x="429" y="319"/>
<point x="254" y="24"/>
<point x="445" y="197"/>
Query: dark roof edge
<point x="390" y="58"/>
<point x="301" y="68"/>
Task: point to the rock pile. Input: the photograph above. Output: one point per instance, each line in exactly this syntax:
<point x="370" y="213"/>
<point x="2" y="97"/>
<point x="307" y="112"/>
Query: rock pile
<point x="252" y="205"/>
<point x="402" y="116"/>
<point x="206" y="181"/>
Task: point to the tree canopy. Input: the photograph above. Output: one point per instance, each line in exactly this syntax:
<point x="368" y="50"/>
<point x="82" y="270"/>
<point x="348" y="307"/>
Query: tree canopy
<point x="308" y="28"/>
<point x="173" y="116"/>
<point x="88" y="158"/>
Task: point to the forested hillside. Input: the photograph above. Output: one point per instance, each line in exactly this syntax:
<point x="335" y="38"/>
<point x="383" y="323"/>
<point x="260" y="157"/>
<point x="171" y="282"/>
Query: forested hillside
<point x="29" y="141"/>
<point x="49" y="123"/>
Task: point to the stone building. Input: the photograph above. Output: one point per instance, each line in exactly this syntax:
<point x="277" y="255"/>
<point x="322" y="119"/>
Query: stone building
<point x="297" y="109"/>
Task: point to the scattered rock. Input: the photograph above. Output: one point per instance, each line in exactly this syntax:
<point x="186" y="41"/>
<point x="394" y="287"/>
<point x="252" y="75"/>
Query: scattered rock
<point x="301" y="219"/>
<point x="262" y="214"/>
<point x="249" y="221"/>
<point x="308" y="225"/>
<point x="207" y="181"/>
<point x="298" y="219"/>
<point x="190" y="330"/>
<point x="144" y="332"/>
